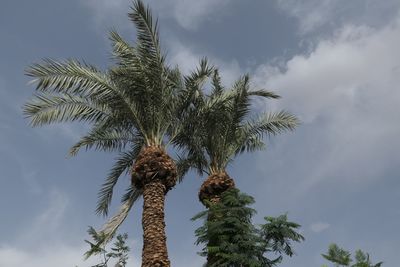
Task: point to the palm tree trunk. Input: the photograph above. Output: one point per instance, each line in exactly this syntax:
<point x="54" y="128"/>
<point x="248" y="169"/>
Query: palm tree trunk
<point x="155" y="173"/>
<point x="154" y="238"/>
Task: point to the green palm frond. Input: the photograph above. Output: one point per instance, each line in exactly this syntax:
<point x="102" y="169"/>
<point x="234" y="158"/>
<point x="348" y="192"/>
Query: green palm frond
<point x="148" y="43"/>
<point x="263" y="93"/>
<point x="105" y="139"/>
<point x="272" y="124"/>
<point x="195" y="160"/>
<point x="47" y="108"/>
<point x="196" y="78"/>
<point x="122" y="165"/>
<point x="218" y="89"/>
<point x="81" y="80"/>
<point x="153" y="72"/>
<point x="249" y="143"/>
<point x="186" y="108"/>
<point x="123" y="52"/>
<point x="71" y="76"/>
<point x="111" y="226"/>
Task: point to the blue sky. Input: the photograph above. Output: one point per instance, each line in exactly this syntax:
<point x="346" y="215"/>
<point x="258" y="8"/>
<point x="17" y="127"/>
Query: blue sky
<point x="335" y="63"/>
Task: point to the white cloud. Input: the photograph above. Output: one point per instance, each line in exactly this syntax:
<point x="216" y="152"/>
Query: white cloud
<point x="318" y="227"/>
<point x="42" y="244"/>
<point x="356" y="63"/>
<point x="50" y="256"/>
<point x="62" y="256"/>
<point x="346" y="92"/>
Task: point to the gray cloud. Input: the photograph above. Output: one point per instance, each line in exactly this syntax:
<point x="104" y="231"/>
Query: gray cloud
<point x="188" y="60"/>
<point x="188" y="14"/>
<point x="346" y="82"/>
<point x="318" y="14"/>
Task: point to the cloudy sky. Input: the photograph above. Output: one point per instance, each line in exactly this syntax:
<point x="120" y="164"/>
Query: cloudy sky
<point x="336" y="64"/>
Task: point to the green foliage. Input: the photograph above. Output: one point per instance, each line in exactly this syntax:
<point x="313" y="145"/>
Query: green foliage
<point x="225" y="125"/>
<point x="137" y="101"/>
<point x="341" y="257"/>
<point x="338" y="255"/>
<point x="118" y="252"/>
<point x="231" y="239"/>
<point x="278" y="233"/>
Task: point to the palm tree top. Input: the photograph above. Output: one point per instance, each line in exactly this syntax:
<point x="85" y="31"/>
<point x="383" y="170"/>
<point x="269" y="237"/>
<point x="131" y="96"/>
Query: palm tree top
<point x="225" y="126"/>
<point x="132" y="104"/>
<point x="138" y="94"/>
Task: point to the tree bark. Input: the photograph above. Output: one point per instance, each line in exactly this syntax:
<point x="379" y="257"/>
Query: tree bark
<point x="154" y="238"/>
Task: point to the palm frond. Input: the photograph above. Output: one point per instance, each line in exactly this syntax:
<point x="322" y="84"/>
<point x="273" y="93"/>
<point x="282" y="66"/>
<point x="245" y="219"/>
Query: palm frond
<point x="263" y="93"/>
<point x="147" y="31"/>
<point x="272" y="123"/>
<point x="105" y="139"/>
<point x="216" y="84"/>
<point x="47" y="108"/>
<point x="196" y="78"/>
<point x="112" y="225"/>
<point x="192" y="160"/>
<point x="71" y="76"/>
<point x="249" y="143"/>
<point x="122" y="165"/>
<point x="122" y="50"/>
<point x="241" y="102"/>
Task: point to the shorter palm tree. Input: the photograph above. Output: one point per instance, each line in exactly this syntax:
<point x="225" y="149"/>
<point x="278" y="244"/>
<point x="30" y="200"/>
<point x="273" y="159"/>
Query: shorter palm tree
<point x="224" y="129"/>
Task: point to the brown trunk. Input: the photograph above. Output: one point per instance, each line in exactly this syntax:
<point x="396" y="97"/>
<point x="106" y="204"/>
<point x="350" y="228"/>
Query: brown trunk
<point x="213" y="187"/>
<point x="154" y="172"/>
<point x="154" y="239"/>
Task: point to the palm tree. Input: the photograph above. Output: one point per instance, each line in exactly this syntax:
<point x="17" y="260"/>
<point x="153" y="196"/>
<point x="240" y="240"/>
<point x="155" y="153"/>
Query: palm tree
<point x="132" y="108"/>
<point x="225" y="129"/>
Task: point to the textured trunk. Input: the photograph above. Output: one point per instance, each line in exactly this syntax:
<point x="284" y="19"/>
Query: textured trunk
<point x="155" y="173"/>
<point x="213" y="187"/>
<point x="154" y="239"/>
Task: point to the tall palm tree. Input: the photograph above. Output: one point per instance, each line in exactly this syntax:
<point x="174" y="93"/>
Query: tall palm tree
<point x="133" y="108"/>
<point x="226" y="128"/>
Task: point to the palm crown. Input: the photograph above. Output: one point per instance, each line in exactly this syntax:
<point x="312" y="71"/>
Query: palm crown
<point x="226" y="128"/>
<point x="133" y="104"/>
